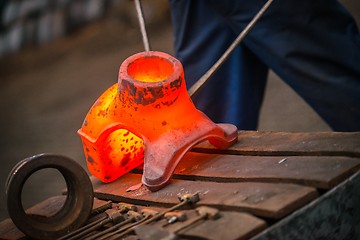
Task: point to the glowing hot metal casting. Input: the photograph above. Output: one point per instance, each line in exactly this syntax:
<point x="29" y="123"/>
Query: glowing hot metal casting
<point x="147" y="117"/>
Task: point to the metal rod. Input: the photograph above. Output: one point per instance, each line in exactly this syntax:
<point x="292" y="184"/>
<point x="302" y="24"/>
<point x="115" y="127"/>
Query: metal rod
<point x="124" y="230"/>
<point x="200" y="83"/>
<point x="140" y="16"/>
<point x="90" y="229"/>
<point x="78" y="231"/>
<point x="101" y="235"/>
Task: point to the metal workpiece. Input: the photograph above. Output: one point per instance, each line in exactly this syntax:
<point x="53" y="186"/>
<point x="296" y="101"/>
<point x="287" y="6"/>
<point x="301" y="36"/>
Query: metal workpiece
<point x="142" y="111"/>
<point x="76" y="209"/>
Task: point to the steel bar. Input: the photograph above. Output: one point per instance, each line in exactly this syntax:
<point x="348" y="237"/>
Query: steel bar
<point x="102" y="208"/>
<point x="200" y="83"/>
<point x="125" y="230"/>
<point x="101" y="235"/>
<point x="79" y="230"/>
<point x="113" y="216"/>
<point x="134" y="217"/>
<point x="141" y="19"/>
<point x="90" y="229"/>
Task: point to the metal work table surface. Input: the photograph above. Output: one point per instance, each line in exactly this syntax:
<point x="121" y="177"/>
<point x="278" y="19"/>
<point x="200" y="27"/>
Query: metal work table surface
<point x="270" y="185"/>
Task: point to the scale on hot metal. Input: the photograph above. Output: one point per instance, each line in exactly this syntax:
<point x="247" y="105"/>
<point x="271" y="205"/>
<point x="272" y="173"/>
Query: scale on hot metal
<point x="147" y="117"/>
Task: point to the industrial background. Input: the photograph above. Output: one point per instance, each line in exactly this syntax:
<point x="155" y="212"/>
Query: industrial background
<point x="58" y="56"/>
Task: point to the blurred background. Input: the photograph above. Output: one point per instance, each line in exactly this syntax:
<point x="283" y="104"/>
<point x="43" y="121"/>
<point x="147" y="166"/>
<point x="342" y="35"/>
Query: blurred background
<point x="58" y="56"/>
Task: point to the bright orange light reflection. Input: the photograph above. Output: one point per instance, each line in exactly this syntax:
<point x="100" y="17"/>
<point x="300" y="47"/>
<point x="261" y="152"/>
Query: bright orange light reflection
<point x="125" y="150"/>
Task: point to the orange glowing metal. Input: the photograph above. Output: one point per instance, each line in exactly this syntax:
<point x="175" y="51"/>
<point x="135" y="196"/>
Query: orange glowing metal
<point x="147" y="117"/>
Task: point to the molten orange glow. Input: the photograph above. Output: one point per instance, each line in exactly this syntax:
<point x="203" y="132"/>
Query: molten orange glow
<point x="147" y="117"/>
<point x="150" y="69"/>
<point x="125" y="150"/>
<point x="119" y="152"/>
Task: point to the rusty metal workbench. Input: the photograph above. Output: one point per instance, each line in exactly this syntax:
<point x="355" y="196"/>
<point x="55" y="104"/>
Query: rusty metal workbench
<point x="270" y="185"/>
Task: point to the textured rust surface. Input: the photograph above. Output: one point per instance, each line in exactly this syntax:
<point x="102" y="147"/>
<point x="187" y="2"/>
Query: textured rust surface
<point x="320" y="172"/>
<point x="262" y="199"/>
<point x="152" y="104"/>
<point x="291" y="144"/>
<point x="230" y="225"/>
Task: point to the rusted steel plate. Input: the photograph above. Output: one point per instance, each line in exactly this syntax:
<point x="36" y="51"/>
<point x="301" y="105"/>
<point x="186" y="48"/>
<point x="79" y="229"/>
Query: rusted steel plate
<point x="319" y="172"/>
<point x="229" y="226"/>
<point x="47" y="207"/>
<point x="291" y="144"/>
<point x="272" y="200"/>
<point x="334" y="215"/>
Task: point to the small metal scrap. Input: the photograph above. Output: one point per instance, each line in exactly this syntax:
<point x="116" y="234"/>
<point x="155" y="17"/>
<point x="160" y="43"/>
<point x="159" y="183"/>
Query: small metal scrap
<point x="282" y="160"/>
<point x="173" y="217"/>
<point x="189" y="198"/>
<point x="134" y="188"/>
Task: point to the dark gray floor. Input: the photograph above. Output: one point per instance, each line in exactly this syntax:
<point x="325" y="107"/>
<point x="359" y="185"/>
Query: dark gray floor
<point x="46" y="93"/>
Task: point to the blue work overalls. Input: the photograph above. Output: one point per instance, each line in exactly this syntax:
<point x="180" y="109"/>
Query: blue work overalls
<point x="314" y="46"/>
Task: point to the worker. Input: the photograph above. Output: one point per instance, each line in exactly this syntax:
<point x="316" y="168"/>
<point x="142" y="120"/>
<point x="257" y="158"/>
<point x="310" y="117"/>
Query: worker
<point x="314" y="46"/>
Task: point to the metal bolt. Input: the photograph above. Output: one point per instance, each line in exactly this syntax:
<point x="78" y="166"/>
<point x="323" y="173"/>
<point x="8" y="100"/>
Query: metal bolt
<point x="204" y="213"/>
<point x="102" y="208"/>
<point x="175" y="217"/>
<point x="132" y="217"/>
<point x="146" y="214"/>
<point x="125" y="207"/>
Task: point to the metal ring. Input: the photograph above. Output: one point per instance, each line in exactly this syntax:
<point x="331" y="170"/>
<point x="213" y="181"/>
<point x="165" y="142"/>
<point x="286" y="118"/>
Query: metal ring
<point x="76" y="209"/>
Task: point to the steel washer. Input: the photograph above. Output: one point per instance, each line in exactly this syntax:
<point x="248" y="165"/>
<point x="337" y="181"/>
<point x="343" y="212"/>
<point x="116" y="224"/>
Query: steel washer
<point x="77" y="206"/>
